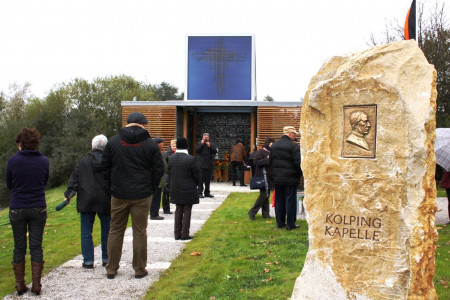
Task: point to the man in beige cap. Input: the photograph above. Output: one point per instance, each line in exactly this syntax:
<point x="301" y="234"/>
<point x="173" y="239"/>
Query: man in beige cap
<point x="285" y="161"/>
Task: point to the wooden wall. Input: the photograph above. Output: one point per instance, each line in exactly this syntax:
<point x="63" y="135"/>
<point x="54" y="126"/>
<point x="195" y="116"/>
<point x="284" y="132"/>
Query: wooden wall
<point x="272" y="119"/>
<point x="162" y="120"/>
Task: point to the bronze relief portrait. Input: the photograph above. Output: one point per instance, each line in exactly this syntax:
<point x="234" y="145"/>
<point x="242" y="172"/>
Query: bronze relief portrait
<point x="359" y="136"/>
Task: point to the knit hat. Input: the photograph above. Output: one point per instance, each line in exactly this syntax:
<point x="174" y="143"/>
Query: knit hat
<point x="182" y="143"/>
<point x="137" y="117"/>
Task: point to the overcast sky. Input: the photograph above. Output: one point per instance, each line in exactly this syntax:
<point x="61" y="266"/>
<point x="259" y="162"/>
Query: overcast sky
<point x="47" y="42"/>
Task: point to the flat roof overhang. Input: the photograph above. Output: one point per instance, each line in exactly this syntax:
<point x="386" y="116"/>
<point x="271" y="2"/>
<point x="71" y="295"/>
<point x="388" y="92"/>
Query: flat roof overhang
<point x="234" y="106"/>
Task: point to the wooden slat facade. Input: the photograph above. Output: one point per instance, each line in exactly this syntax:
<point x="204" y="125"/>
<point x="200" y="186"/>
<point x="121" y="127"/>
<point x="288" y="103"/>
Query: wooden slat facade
<point x="272" y="119"/>
<point x="162" y="120"/>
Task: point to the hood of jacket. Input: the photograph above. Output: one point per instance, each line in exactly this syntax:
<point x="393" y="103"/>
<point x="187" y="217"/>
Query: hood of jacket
<point x="133" y="134"/>
<point x="96" y="158"/>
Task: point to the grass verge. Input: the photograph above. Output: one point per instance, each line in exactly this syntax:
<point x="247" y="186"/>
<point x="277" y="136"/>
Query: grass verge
<point x="240" y="258"/>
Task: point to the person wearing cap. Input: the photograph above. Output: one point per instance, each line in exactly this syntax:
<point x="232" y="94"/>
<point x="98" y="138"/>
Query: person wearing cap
<point x="156" y="197"/>
<point x="205" y="156"/>
<point x="184" y="178"/>
<point x="238" y="154"/>
<point x="285" y="162"/>
<point x="134" y="166"/>
<point x="261" y="161"/>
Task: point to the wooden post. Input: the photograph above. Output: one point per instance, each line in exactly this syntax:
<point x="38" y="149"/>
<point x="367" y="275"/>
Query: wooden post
<point x="252" y="131"/>
<point x="185" y="122"/>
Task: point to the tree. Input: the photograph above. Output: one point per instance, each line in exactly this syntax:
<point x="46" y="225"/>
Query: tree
<point x="165" y="91"/>
<point x="433" y="38"/>
<point x="268" y="98"/>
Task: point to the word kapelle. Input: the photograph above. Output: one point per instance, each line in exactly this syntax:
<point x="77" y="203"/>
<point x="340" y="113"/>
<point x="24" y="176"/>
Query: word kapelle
<point x="340" y="227"/>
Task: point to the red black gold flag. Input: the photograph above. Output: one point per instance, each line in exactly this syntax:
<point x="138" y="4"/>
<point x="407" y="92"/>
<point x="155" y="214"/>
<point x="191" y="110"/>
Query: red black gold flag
<point x="410" y="22"/>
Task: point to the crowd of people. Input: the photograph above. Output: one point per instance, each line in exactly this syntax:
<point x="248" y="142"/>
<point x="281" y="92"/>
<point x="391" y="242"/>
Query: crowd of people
<point x="129" y="175"/>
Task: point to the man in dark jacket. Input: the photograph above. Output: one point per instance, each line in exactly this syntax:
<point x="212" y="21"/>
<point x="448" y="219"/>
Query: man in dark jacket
<point x="285" y="162"/>
<point x="134" y="167"/>
<point x="183" y="177"/>
<point x="88" y="181"/>
<point x="205" y="154"/>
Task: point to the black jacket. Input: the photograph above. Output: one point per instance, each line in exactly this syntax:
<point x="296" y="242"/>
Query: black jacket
<point x="205" y="155"/>
<point x="285" y="161"/>
<point x="133" y="163"/>
<point x="261" y="160"/>
<point x="88" y="181"/>
<point x="183" y="177"/>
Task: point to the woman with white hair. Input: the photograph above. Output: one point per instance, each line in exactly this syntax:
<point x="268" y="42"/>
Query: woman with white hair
<point x="88" y="181"/>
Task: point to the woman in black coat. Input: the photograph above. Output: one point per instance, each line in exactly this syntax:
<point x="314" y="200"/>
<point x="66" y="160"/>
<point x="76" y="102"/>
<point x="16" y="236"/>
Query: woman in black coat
<point x="183" y="177"/>
<point x="260" y="161"/>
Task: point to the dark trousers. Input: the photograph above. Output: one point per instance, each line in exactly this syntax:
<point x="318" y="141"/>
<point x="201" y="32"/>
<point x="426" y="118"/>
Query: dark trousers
<point x="263" y="203"/>
<point x="166" y="202"/>
<point x="448" y="198"/>
<point x="205" y="178"/>
<point x="87" y="220"/>
<point x="156" y="202"/>
<point x="31" y="220"/>
<point x="286" y="205"/>
<point x="182" y="220"/>
<point x="237" y="167"/>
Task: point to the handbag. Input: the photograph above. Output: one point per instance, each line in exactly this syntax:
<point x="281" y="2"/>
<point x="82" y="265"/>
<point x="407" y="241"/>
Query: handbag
<point x="257" y="183"/>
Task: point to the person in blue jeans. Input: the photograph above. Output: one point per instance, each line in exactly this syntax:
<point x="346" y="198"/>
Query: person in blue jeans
<point x="27" y="174"/>
<point x="93" y="198"/>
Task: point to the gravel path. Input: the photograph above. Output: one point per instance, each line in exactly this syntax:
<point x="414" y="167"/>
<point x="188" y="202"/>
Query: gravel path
<point x="71" y="281"/>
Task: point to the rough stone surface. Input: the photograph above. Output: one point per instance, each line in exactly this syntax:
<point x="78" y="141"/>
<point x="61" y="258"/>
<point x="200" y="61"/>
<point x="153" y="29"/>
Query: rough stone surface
<point x="371" y="199"/>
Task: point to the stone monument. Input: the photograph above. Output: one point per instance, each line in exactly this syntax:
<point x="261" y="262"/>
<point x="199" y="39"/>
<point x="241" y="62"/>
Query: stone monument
<point x="368" y="130"/>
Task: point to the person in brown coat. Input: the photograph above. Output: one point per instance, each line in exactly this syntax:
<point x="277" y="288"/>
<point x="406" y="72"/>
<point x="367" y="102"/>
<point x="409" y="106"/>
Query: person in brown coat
<point x="238" y="154"/>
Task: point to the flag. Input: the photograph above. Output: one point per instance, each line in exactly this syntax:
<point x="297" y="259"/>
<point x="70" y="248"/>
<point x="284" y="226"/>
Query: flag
<point x="410" y="22"/>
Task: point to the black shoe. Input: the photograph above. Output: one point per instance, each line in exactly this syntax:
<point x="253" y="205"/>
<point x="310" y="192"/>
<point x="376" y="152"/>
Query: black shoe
<point x="201" y="196"/>
<point x="142" y="275"/>
<point x="104" y="264"/>
<point x="86" y="266"/>
<point x="110" y="276"/>
<point x="177" y="238"/>
<point x="281" y="226"/>
<point x="243" y="185"/>
<point x="251" y="216"/>
<point x="209" y="196"/>
<point x="167" y="213"/>
<point x="234" y="184"/>
<point x="157" y="218"/>
<point x="294" y="227"/>
<point x="187" y="238"/>
<point x="267" y="217"/>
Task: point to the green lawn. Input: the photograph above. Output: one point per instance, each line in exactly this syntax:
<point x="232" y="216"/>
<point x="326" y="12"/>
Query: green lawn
<point x="240" y="258"/>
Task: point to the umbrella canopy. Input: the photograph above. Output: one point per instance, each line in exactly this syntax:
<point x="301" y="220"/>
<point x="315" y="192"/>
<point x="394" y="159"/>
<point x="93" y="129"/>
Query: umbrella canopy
<point x="442" y="148"/>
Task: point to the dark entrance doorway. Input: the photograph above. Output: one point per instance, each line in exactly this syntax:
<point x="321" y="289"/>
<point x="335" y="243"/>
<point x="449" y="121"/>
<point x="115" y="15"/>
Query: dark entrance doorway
<point x="224" y="129"/>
